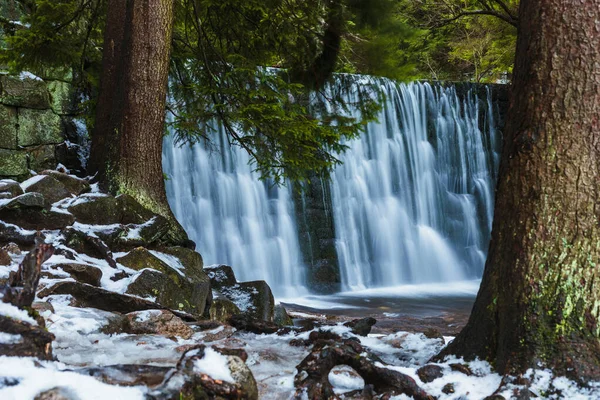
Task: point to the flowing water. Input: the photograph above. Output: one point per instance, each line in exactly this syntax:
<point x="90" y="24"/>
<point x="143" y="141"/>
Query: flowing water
<point x="412" y="203"/>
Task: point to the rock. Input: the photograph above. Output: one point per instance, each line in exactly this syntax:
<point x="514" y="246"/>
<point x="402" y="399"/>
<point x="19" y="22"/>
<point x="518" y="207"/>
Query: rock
<point x="222" y="309"/>
<point x="81" y="272"/>
<point x="245" y="322"/>
<point x="176" y="295"/>
<point x="13" y="163"/>
<point x="85" y="295"/>
<point x="432" y="333"/>
<point x="102" y="209"/>
<point x="218" y="334"/>
<point x="254" y="298"/>
<point x="73" y="184"/>
<point x="41" y="157"/>
<point x="159" y="322"/>
<point x="11" y="186"/>
<point x="35" y="218"/>
<point x="38" y="127"/>
<point x="495" y="397"/>
<point x="430" y="372"/>
<point x="82" y="241"/>
<point x="281" y="317"/>
<point x="185" y="287"/>
<point x="8" y="127"/>
<point x="13" y="234"/>
<point x="27" y="200"/>
<point x="5" y="258"/>
<point x="361" y="326"/>
<point x="11" y="247"/>
<point x="242" y="376"/>
<point x="47" y="186"/>
<point x="95" y="208"/>
<point x="192" y="378"/>
<point x="220" y="275"/>
<point x="34" y="341"/>
<point x="128" y="375"/>
<point x="448" y="388"/>
<point x="57" y="393"/>
<point x="41" y="306"/>
<point x="29" y="93"/>
<point x="71" y="155"/>
<point x="461" y="368"/>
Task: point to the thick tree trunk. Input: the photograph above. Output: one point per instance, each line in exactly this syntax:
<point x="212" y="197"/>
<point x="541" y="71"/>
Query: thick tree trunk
<point x="540" y="296"/>
<point x="127" y="141"/>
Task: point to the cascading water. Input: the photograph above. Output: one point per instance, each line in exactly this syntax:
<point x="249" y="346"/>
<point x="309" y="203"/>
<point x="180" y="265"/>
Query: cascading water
<point x="413" y="200"/>
<point x="412" y="203"/>
<point x="233" y="217"/>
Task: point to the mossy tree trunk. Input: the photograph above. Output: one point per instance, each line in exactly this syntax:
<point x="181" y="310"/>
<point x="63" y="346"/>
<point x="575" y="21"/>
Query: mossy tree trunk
<point x="540" y="296"/>
<point x="126" y="149"/>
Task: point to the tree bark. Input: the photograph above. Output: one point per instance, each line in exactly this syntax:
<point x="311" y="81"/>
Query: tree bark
<point x="127" y="142"/>
<point x="539" y="299"/>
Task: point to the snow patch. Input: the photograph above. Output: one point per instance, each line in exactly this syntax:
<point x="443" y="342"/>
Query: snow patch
<point x="13" y="312"/>
<point x="215" y="365"/>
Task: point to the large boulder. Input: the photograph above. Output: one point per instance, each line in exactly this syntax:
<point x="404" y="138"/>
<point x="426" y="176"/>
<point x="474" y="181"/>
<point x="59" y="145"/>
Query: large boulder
<point x="85" y="295"/>
<point x="41" y="157"/>
<point x="24" y="339"/>
<point x="281" y="317"/>
<point x="222" y="309"/>
<point x="103" y="209"/>
<point x="27" y="211"/>
<point x="178" y="281"/>
<point x="221" y="276"/>
<point x="178" y="295"/>
<point x="10" y="233"/>
<point x="50" y="188"/>
<point x="73" y="184"/>
<point x="254" y="298"/>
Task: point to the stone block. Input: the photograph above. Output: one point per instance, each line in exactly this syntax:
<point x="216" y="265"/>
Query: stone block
<point x="27" y="92"/>
<point x="8" y="127"/>
<point x="41" y="157"/>
<point x="39" y="127"/>
<point x="13" y="163"/>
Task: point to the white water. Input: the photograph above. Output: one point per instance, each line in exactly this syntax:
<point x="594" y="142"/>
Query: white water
<point x="410" y="206"/>
<point x="233" y="217"/>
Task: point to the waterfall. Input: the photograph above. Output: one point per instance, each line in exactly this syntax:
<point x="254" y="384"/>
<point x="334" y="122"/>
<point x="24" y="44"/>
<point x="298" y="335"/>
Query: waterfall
<point x="233" y="217"/>
<point x="412" y="202"/>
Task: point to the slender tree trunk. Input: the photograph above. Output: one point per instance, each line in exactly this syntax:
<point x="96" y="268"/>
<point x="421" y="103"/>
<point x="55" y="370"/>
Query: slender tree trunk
<point x="130" y="118"/>
<point x="539" y="300"/>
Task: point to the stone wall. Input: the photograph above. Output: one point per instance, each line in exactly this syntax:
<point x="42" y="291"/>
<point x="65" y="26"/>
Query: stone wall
<point x="37" y="119"/>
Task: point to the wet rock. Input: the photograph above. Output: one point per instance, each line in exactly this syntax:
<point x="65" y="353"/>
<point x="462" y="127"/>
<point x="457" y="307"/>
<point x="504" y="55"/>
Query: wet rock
<point x="448" y="388"/>
<point x="242" y="376"/>
<point x="221" y="276"/>
<point x="11" y="187"/>
<point x="463" y="369"/>
<point x="245" y="322"/>
<point x="85" y="295"/>
<point x="222" y="309"/>
<point x="5" y="258"/>
<point x="47" y="186"/>
<point x="223" y="332"/>
<point x="128" y="375"/>
<point x="281" y="317"/>
<point x="57" y="393"/>
<point x="42" y="306"/>
<point x="177" y="294"/>
<point x="159" y="322"/>
<point x="429" y="373"/>
<point x="432" y="333"/>
<point x="82" y="273"/>
<point x="361" y="327"/>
